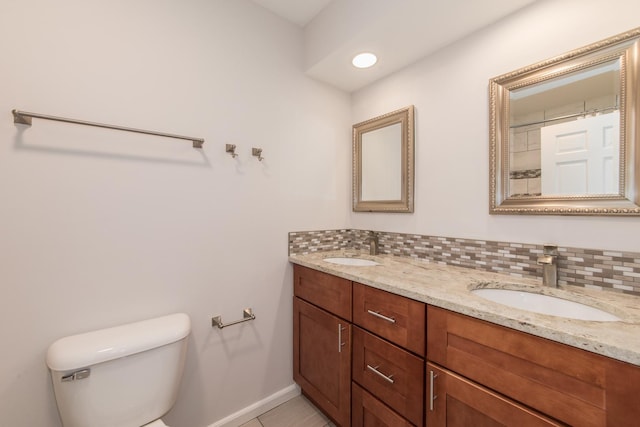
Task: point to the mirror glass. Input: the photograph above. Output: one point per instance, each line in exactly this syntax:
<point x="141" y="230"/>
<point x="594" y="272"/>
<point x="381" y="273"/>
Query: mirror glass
<point x="381" y="160"/>
<point x="383" y="163"/>
<point x="563" y="133"/>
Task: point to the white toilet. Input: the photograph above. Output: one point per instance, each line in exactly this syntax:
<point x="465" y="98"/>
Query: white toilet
<point x="126" y="376"/>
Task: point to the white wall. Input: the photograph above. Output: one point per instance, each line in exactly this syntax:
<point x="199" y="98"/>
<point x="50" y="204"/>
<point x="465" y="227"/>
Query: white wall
<point x="450" y="94"/>
<point x="99" y="228"/>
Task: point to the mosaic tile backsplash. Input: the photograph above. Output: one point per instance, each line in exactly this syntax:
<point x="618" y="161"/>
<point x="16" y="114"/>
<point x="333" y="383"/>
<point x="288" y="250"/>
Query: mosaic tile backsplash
<point x="599" y="269"/>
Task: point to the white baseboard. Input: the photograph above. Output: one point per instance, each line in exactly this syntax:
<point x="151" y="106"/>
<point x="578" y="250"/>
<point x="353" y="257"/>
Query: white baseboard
<point x="250" y="412"/>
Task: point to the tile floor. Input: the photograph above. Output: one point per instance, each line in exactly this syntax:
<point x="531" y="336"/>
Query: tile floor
<point x="297" y="412"/>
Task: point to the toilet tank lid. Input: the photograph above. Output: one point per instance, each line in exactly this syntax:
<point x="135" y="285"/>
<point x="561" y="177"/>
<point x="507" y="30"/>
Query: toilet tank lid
<point x="90" y="348"/>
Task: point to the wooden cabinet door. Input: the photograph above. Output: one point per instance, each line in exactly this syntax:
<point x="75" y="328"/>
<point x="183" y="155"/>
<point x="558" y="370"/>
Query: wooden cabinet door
<point x="575" y="386"/>
<point x="367" y="411"/>
<point x="322" y="359"/>
<point x="454" y="401"/>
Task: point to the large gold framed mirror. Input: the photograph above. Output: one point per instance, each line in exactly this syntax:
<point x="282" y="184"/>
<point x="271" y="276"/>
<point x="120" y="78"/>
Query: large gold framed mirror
<point x="383" y="157"/>
<point x="564" y="137"/>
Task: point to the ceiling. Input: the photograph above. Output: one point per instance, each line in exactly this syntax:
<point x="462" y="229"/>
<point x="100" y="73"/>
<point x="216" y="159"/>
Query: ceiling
<point x="299" y="12"/>
<point x="399" y="32"/>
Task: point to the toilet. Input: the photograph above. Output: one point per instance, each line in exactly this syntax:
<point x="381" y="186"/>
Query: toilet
<point x="125" y="376"/>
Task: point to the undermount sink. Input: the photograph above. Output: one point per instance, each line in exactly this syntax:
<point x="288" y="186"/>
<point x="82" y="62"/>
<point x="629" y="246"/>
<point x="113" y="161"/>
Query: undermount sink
<point x="546" y="304"/>
<point x="359" y="262"/>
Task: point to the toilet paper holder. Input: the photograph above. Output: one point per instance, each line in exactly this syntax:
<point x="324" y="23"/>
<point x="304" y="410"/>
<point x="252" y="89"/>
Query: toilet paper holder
<point x="247" y="314"/>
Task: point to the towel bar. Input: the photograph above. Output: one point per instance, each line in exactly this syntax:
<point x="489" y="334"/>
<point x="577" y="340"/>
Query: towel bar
<point x="24" y="118"/>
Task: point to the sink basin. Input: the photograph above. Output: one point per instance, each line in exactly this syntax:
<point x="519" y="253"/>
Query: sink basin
<point x="545" y="304"/>
<point x="360" y="262"/>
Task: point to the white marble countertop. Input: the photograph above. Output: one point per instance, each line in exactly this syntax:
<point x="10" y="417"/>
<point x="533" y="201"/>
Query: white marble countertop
<point x="449" y="287"/>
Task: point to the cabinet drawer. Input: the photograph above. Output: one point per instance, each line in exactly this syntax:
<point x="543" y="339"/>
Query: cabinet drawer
<point x="367" y="411"/>
<point x="390" y="373"/>
<point x="324" y="290"/>
<point x="571" y="385"/>
<point x="400" y="320"/>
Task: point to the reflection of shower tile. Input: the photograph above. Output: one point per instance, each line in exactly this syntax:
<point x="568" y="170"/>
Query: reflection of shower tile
<point x="533" y="185"/>
<point x="517" y="186"/>
<point x="519" y="142"/>
<point x="533" y="139"/>
<point x="526" y="160"/>
<point x="529" y="173"/>
<point x="518" y="161"/>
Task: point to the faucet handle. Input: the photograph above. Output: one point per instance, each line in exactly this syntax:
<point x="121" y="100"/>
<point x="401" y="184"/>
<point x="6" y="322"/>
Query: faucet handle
<point x="549" y="255"/>
<point x="546" y="259"/>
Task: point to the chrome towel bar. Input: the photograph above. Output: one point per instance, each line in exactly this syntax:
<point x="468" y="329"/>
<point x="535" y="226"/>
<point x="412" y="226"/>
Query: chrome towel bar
<point x="247" y="315"/>
<point x="24" y="118"/>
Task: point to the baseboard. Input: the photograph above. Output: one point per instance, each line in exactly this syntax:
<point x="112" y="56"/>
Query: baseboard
<point x="250" y="412"/>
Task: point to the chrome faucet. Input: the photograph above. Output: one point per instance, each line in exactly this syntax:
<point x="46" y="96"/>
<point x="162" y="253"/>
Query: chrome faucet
<point x="372" y="240"/>
<point x="548" y="260"/>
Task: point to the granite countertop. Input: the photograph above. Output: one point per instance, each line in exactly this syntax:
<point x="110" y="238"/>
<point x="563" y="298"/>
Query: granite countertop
<point x="449" y="287"/>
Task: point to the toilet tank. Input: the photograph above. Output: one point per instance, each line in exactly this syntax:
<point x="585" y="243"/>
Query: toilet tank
<point x="125" y="376"/>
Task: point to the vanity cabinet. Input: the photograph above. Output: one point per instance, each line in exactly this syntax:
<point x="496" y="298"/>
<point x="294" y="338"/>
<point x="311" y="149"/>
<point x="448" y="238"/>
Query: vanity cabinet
<point x="371" y="358"/>
<point x="322" y="341"/>
<point x="467" y="357"/>
<point x="369" y="373"/>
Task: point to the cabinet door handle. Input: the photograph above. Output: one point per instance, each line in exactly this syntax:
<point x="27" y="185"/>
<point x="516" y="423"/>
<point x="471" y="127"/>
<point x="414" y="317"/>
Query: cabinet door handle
<point x="375" y="371"/>
<point x="381" y="316"/>
<point x="432" y="395"/>
<point x="340" y="343"/>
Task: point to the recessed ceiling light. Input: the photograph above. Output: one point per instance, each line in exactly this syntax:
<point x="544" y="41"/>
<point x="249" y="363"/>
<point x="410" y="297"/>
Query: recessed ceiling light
<point x="364" y="60"/>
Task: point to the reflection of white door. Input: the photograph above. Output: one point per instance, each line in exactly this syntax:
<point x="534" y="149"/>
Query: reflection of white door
<point x="581" y="156"/>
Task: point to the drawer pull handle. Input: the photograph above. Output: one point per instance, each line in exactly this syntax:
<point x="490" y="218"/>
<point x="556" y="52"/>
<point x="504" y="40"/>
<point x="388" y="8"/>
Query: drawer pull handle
<point x="381" y="316"/>
<point x="340" y="343"/>
<point x="375" y="371"/>
<point x="432" y="395"/>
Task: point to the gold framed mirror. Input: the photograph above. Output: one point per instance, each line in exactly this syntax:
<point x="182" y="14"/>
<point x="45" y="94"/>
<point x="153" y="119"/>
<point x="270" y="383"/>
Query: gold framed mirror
<point x="564" y="137"/>
<point x="383" y="163"/>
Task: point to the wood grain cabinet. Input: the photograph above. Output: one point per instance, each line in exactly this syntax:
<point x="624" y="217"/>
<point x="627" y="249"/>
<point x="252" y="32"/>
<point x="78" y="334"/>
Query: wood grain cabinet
<point x="368" y="375"/>
<point x="359" y="355"/>
<point x="367" y="411"/>
<point x="390" y="373"/>
<point x="322" y="341"/>
<point x="573" y="386"/>
<point x="454" y="401"/>
<point x="393" y="317"/>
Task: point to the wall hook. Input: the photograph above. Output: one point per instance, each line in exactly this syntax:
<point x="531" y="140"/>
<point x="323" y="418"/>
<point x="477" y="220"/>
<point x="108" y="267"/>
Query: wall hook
<point x="257" y="152"/>
<point x="231" y="149"/>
